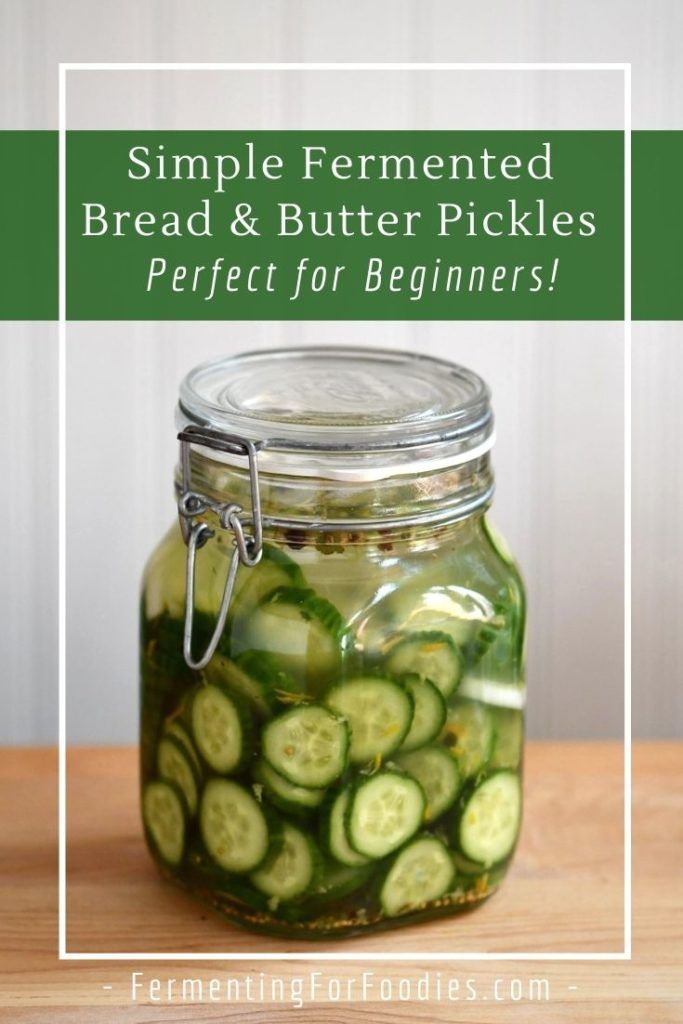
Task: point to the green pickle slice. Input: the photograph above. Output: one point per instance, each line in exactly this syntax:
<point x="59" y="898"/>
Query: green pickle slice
<point x="423" y="871"/>
<point x="429" y="712"/>
<point x="175" y="765"/>
<point x="337" y="881"/>
<point x="379" y="712"/>
<point x="468" y="735"/>
<point x="307" y="745"/>
<point x="335" y="836"/>
<point x="386" y="809"/>
<point x="256" y="677"/>
<point x="163" y="812"/>
<point x="430" y="655"/>
<point x="179" y="733"/>
<point x="439" y="776"/>
<point x="284" y="794"/>
<point x="254" y="583"/>
<point x="303" y="631"/>
<point x="233" y="827"/>
<point x="490" y="817"/>
<point x="291" y="870"/>
<point x="509" y="738"/>
<point x="221" y="729"/>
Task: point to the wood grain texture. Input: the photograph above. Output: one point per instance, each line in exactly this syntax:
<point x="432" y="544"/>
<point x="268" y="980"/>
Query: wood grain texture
<point x="570" y="860"/>
<point x="565" y="893"/>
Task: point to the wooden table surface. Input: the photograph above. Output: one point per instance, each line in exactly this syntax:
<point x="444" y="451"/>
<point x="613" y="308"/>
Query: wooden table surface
<point x="564" y="895"/>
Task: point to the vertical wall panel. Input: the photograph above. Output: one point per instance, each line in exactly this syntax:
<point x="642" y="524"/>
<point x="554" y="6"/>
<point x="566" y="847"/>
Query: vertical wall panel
<point x="658" y="529"/>
<point x="28" y="575"/>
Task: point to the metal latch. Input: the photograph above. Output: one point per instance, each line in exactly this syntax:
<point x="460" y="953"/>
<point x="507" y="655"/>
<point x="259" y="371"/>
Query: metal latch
<point x="248" y="546"/>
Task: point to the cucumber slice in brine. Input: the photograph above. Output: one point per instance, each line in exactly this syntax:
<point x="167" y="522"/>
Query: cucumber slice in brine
<point x="332" y="884"/>
<point x="509" y="738"/>
<point x="233" y="826"/>
<point x="468" y="735"/>
<point x="386" y="809"/>
<point x="303" y="631"/>
<point x="421" y="872"/>
<point x="307" y="745"/>
<point x="490" y="818"/>
<point x="221" y="728"/>
<point x="255" y="676"/>
<point x="254" y="583"/>
<point x="163" y="814"/>
<point x="337" y="881"/>
<point x="415" y="607"/>
<point x="468" y="868"/>
<point x="174" y="765"/>
<point x="433" y="656"/>
<point x="292" y="869"/>
<point x="439" y="776"/>
<point x="177" y="730"/>
<point x="283" y="794"/>
<point x="334" y="831"/>
<point x="379" y="712"/>
<point x="429" y="713"/>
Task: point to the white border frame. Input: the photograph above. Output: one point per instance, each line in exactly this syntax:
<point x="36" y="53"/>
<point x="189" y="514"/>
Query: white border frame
<point x="625" y="70"/>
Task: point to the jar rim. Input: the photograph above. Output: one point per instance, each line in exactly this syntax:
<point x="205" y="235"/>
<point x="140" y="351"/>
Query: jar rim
<point x="342" y="412"/>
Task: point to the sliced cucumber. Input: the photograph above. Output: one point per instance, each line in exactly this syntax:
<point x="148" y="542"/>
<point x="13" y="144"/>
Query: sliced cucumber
<point x="283" y="794"/>
<point x="255" y="676"/>
<point x="488" y="631"/>
<point x="163" y="813"/>
<point x="415" y="606"/>
<point x="438" y="774"/>
<point x="423" y="871"/>
<point x="379" y="712"/>
<point x="233" y="826"/>
<point x="221" y="728"/>
<point x="464" y="866"/>
<point x="386" y="809"/>
<point x="333" y="884"/>
<point x="430" y="655"/>
<point x="339" y="880"/>
<point x="490" y="817"/>
<point x="429" y="712"/>
<point x="291" y="870"/>
<point x="509" y="737"/>
<point x="254" y="583"/>
<point x="177" y="730"/>
<point x="308" y="745"/>
<point x="468" y="734"/>
<point x="302" y="630"/>
<point x="174" y="765"/>
<point x="334" y="832"/>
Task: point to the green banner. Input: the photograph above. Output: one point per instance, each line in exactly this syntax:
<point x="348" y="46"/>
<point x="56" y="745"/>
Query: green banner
<point x="344" y="225"/>
<point x="29" y="248"/>
<point x="341" y="225"/>
<point x="657" y="226"/>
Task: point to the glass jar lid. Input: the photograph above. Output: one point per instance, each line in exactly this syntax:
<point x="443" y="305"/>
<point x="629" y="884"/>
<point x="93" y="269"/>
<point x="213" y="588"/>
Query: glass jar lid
<point x="343" y="413"/>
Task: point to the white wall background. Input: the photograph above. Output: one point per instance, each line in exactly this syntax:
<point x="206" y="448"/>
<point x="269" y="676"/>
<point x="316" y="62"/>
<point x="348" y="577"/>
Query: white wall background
<point x="658" y="529"/>
<point x="36" y="34"/>
<point x="557" y="387"/>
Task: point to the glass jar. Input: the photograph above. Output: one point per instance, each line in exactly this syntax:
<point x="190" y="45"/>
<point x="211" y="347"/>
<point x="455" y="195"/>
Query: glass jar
<point x="332" y="646"/>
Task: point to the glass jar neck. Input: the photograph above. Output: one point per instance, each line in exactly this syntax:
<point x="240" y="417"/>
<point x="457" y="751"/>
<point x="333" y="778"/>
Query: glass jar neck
<point x="291" y="502"/>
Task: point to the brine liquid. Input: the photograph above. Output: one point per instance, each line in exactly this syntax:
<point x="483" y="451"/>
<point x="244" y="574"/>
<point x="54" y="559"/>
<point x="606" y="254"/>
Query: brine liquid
<point x="456" y="585"/>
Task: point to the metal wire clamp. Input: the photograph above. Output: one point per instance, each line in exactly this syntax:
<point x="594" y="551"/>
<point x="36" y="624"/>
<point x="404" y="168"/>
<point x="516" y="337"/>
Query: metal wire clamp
<point x="191" y="504"/>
